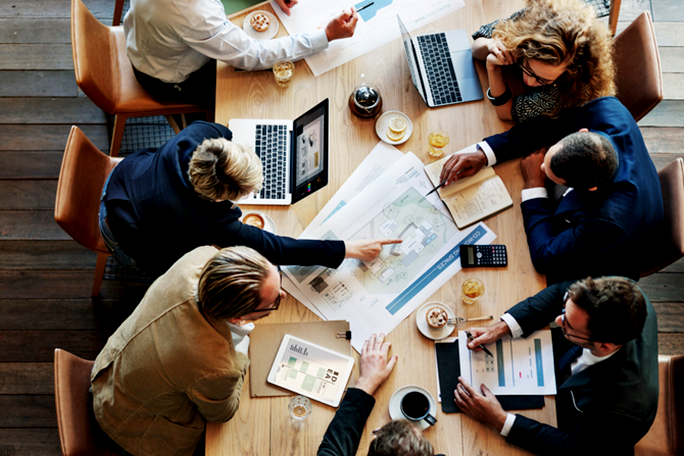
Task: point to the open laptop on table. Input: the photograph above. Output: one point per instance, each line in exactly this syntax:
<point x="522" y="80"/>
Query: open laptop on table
<point x="441" y="66"/>
<point x="294" y="154"/>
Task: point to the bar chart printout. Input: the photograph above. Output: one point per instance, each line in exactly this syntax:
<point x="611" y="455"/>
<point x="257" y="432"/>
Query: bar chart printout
<point x="522" y="366"/>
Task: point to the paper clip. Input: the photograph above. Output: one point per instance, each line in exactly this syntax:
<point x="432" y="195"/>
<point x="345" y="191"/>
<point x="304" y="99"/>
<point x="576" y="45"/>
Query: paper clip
<point x="343" y="335"/>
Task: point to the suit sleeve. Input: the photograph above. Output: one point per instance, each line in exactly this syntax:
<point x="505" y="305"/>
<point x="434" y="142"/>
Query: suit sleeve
<point x="218" y="397"/>
<point x="281" y="250"/>
<point x="344" y="432"/>
<point x="587" y="234"/>
<point x="599" y="434"/>
<point x="539" y="310"/>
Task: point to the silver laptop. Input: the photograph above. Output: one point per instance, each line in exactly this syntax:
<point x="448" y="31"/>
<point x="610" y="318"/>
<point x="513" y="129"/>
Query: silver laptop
<point x="294" y="154"/>
<point x="441" y="66"/>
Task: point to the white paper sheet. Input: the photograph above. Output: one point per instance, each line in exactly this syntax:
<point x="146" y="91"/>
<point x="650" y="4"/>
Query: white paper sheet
<point x="376" y="296"/>
<point x="377" y="25"/>
<point x="377" y="162"/>
<point x="518" y="367"/>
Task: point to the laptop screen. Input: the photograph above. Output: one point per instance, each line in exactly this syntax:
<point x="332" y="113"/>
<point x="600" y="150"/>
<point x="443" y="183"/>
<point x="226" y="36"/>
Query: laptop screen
<point x="411" y="58"/>
<point x="310" y="168"/>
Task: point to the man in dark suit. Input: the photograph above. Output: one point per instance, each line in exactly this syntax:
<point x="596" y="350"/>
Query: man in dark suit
<point x="604" y="222"/>
<point x="608" y="395"/>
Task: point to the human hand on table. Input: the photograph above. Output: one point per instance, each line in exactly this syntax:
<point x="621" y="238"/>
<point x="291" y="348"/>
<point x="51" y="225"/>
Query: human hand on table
<point x="533" y="174"/>
<point x="462" y="165"/>
<point x="484" y="407"/>
<point x="498" y="55"/>
<point x="487" y="335"/>
<point x="367" y="249"/>
<point x="342" y="26"/>
<point x="285" y="5"/>
<point x="374" y="367"/>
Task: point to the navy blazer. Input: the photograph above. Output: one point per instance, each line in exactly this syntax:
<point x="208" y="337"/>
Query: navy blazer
<point x="604" y="409"/>
<point x="605" y="232"/>
<point x="156" y="216"/>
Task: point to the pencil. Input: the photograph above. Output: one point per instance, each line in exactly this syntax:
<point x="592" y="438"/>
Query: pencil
<point x="364" y="7"/>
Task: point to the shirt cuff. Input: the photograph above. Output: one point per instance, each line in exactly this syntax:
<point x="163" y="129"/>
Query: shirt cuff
<point x="489" y="153"/>
<point x="319" y="40"/>
<point x="516" y="330"/>
<point x="508" y="424"/>
<point x="532" y="193"/>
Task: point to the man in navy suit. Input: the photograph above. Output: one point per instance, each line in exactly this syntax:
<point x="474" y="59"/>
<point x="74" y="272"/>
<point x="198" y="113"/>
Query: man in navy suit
<point x="607" y="397"/>
<point x="604" y="222"/>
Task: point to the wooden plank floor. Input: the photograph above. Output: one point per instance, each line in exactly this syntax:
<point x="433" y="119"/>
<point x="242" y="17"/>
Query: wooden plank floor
<point x="45" y="277"/>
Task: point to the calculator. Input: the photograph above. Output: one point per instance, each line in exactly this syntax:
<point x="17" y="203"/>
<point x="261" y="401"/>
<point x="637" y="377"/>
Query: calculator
<point x="483" y="256"/>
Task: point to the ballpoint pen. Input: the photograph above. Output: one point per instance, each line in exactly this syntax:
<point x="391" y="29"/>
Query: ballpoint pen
<point x="436" y="188"/>
<point x="364" y="7"/>
<point x="470" y="336"/>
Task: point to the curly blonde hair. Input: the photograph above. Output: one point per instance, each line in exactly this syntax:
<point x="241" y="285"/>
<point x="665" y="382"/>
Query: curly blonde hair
<point x="220" y="169"/>
<point x="558" y="31"/>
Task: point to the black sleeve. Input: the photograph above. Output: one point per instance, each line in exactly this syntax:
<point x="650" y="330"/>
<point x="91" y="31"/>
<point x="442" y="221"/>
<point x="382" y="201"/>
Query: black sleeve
<point x="539" y="310"/>
<point x="599" y="434"/>
<point x="344" y="432"/>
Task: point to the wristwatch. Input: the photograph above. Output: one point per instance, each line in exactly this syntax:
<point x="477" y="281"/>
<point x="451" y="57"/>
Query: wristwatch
<point x="501" y="99"/>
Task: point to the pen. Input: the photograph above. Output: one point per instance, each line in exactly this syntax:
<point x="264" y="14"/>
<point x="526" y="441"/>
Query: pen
<point x="364" y="7"/>
<point x="436" y="188"/>
<point x="470" y="336"/>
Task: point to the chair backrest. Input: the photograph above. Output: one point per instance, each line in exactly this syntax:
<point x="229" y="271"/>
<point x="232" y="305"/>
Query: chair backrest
<point x="671" y="242"/>
<point x="81" y="180"/>
<point x="94" y="51"/>
<point x="638" y="75"/>
<point x="73" y="403"/>
<point x="666" y="436"/>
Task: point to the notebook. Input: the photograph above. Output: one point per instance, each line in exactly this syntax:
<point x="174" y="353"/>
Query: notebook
<point x="294" y="154"/>
<point x="441" y="66"/>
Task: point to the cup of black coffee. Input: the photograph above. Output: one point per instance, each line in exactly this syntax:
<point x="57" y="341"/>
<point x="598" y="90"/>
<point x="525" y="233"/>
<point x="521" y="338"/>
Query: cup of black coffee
<point x="415" y="406"/>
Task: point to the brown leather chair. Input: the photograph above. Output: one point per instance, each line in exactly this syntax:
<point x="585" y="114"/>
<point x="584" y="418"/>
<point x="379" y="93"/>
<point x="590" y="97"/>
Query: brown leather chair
<point x="638" y="77"/>
<point x="73" y="404"/>
<point x="106" y="76"/>
<point x="670" y="244"/>
<point x="666" y="436"/>
<point x="77" y="205"/>
<point x="118" y="12"/>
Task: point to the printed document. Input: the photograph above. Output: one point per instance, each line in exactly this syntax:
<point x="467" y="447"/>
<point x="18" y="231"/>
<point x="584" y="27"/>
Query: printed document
<point x="376" y="296"/>
<point x="376" y="27"/>
<point x="522" y="366"/>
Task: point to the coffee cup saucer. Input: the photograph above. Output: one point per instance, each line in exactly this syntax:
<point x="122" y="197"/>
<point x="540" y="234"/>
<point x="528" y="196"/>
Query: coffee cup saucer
<point x="269" y="224"/>
<point x="427" y="330"/>
<point x="395" y="404"/>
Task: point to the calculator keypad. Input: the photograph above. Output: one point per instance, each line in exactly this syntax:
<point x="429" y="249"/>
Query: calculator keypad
<point x="491" y="255"/>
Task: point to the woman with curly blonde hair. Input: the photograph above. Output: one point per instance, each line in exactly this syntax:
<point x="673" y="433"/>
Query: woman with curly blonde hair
<point x="562" y="53"/>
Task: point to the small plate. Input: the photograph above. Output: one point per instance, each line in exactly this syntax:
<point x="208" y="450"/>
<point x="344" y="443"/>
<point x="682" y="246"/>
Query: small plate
<point x="395" y="404"/>
<point x="261" y="36"/>
<point x="269" y="224"/>
<point x="427" y="330"/>
<point x="382" y="125"/>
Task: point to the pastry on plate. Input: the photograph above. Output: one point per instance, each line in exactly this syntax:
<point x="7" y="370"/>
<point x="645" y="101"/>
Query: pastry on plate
<point x="436" y="317"/>
<point x="260" y="22"/>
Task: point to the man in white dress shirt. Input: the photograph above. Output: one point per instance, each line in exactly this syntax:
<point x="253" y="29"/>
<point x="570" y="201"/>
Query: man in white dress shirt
<point x="174" y="44"/>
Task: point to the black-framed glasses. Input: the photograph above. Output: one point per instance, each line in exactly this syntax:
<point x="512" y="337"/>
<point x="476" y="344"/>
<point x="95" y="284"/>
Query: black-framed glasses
<point x="276" y="303"/>
<point x="566" y="296"/>
<point x="528" y="71"/>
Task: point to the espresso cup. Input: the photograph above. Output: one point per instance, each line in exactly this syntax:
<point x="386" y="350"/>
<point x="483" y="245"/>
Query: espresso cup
<point x="415" y="406"/>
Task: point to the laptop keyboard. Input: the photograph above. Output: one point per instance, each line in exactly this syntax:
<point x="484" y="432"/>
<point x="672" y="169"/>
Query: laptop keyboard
<point x="271" y="148"/>
<point x="440" y="71"/>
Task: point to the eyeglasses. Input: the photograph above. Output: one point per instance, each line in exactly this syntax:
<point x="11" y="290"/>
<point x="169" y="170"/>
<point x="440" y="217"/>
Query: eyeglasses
<point x="565" y="333"/>
<point x="276" y="303"/>
<point x="528" y="71"/>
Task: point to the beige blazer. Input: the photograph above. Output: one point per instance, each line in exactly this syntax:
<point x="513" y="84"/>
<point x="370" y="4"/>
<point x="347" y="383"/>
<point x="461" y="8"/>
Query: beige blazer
<point x="167" y="370"/>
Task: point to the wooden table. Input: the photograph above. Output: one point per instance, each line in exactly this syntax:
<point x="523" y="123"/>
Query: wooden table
<point x="260" y="427"/>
